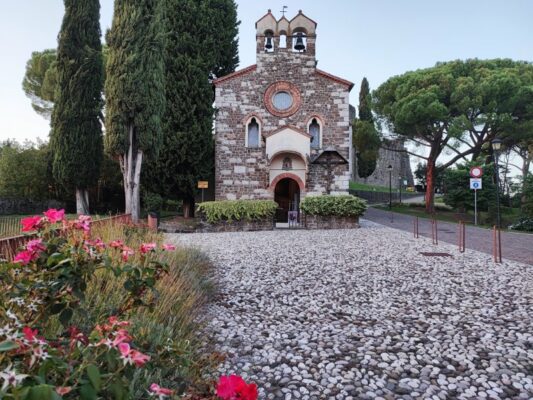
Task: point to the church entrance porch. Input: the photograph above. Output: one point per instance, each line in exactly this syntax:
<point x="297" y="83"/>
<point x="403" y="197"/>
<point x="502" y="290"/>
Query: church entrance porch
<point x="287" y="195"/>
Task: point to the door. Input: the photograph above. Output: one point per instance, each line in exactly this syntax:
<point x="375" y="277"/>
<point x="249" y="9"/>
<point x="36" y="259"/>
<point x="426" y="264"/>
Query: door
<point x="287" y="195"/>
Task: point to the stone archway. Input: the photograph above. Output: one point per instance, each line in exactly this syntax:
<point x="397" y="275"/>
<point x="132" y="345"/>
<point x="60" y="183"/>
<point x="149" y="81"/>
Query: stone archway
<point x="287" y="195"/>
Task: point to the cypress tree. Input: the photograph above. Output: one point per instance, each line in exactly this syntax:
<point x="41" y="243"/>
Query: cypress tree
<point x="76" y="135"/>
<point x="200" y="44"/>
<point x="365" y="137"/>
<point x="365" y="112"/>
<point x="134" y="90"/>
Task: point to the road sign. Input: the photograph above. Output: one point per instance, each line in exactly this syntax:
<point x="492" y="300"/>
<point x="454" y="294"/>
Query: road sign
<point x="203" y="184"/>
<point x="476" y="172"/>
<point x="475" y="183"/>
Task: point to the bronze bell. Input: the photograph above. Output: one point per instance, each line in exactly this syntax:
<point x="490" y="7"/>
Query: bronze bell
<point x="268" y="44"/>
<point x="299" y="43"/>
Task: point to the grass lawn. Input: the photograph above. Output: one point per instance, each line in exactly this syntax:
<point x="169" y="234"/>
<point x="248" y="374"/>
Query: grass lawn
<point x="373" y="188"/>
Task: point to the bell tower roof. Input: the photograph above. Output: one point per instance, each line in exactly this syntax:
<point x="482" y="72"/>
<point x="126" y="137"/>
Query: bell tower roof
<point x="268" y="24"/>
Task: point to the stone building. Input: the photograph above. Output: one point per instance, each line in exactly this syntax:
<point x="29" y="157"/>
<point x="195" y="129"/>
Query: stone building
<point x="391" y="153"/>
<point x="282" y="127"/>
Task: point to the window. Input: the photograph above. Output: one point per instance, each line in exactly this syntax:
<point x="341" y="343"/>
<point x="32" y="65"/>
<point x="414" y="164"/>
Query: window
<point x="282" y="100"/>
<point x="282" y="41"/>
<point x="252" y="134"/>
<point x="314" y="131"/>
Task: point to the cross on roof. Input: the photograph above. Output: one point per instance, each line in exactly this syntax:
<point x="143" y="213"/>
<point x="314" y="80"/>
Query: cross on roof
<point x="283" y="11"/>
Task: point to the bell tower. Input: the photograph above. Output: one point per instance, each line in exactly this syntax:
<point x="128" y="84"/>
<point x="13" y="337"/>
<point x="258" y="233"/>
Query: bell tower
<point x="297" y="36"/>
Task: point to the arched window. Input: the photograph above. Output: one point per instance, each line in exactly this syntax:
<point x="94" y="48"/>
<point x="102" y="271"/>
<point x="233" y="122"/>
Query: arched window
<point x="299" y="39"/>
<point x="314" y="131"/>
<point x="252" y="134"/>
<point x="269" y="41"/>
<point x="282" y="41"/>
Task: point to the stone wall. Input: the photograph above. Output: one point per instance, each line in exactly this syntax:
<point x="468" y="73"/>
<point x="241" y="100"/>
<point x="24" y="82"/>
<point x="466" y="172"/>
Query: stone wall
<point x="27" y="206"/>
<point x="400" y="162"/>
<point x="243" y="173"/>
<point x="237" y="226"/>
<point x="330" y="222"/>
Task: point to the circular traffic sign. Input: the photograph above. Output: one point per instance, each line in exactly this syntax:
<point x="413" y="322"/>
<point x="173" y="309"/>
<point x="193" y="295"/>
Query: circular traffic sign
<point x="476" y="172"/>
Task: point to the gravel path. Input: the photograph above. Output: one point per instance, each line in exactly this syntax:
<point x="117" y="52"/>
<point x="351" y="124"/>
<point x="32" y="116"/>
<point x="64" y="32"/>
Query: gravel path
<point x="360" y="314"/>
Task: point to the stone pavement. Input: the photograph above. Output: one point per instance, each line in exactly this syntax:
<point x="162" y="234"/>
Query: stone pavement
<point x="515" y="246"/>
<point x="361" y="314"/>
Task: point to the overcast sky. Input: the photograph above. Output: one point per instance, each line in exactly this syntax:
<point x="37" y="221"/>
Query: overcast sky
<point x="355" y="38"/>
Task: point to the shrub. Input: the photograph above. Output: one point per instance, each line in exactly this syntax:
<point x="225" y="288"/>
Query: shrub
<point x="152" y="201"/>
<point x="524" y="224"/>
<point x="341" y="206"/>
<point x="237" y="210"/>
<point x="87" y="317"/>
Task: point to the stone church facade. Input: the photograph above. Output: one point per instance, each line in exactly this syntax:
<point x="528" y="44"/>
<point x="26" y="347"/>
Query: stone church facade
<point x="282" y="127"/>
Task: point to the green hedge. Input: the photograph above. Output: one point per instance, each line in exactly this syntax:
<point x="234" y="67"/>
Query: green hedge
<point x="237" y="210"/>
<point x="341" y="206"/>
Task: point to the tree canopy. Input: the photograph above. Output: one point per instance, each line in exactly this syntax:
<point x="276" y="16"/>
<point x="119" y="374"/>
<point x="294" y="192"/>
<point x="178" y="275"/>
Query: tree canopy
<point x="365" y="136"/>
<point x="76" y="136"/>
<point x="200" y="43"/>
<point x="40" y="81"/>
<point x="135" y="90"/>
<point x="24" y="172"/>
<point x="457" y="106"/>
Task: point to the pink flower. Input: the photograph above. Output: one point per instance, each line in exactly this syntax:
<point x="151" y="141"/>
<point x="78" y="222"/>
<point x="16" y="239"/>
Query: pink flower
<point x="139" y="358"/>
<point x="97" y="243"/>
<point x="116" y="244"/>
<point x="126" y="253"/>
<point x="62" y="390"/>
<point x="234" y="387"/>
<point x="147" y="247"/>
<point x="54" y="215"/>
<point x="24" y="257"/>
<point x="83" y="223"/>
<point x="169" y="247"/>
<point x="29" y="334"/>
<point x="121" y="336"/>
<point x="31" y="223"/>
<point x="113" y="320"/>
<point x="159" y="391"/>
<point x="35" y="246"/>
<point x="130" y="356"/>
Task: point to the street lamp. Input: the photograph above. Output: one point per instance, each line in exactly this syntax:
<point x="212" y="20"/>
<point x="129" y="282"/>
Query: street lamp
<point x="496" y="146"/>
<point x="390" y="186"/>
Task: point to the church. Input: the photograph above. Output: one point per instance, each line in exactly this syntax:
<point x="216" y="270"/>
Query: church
<point x="282" y="126"/>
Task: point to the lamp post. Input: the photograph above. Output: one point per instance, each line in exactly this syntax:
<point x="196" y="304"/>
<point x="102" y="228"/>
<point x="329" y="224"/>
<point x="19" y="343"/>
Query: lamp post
<point x="496" y="146"/>
<point x="390" y="186"/>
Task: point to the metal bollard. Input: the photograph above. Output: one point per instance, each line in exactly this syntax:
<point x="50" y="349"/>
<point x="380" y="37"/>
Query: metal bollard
<point x="434" y="235"/>
<point x="496" y="244"/>
<point x="415" y="228"/>
<point x="462" y="236"/>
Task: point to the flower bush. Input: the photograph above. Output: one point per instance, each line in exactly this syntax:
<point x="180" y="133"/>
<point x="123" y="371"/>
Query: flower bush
<point x="233" y="387"/>
<point x="330" y="205"/>
<point x="46" y="282"/>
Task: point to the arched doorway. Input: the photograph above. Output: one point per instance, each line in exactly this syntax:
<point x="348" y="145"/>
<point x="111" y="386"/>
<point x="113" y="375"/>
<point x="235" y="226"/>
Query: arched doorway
<point x="287" y="195"/>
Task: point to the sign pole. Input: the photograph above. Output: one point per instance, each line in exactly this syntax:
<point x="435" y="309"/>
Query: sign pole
<point x="475" y="206"/>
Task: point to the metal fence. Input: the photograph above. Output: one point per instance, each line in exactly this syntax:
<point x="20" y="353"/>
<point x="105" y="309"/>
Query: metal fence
<point x="10" y="246"/>
<point x="374" y="197"/>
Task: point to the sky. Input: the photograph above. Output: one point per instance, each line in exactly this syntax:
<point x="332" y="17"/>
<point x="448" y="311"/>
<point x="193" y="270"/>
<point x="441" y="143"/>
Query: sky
<point x="355" y="38"/>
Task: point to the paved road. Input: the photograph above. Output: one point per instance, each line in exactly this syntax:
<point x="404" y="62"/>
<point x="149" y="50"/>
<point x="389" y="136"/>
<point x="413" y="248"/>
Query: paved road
<point x="515" y="246"/>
